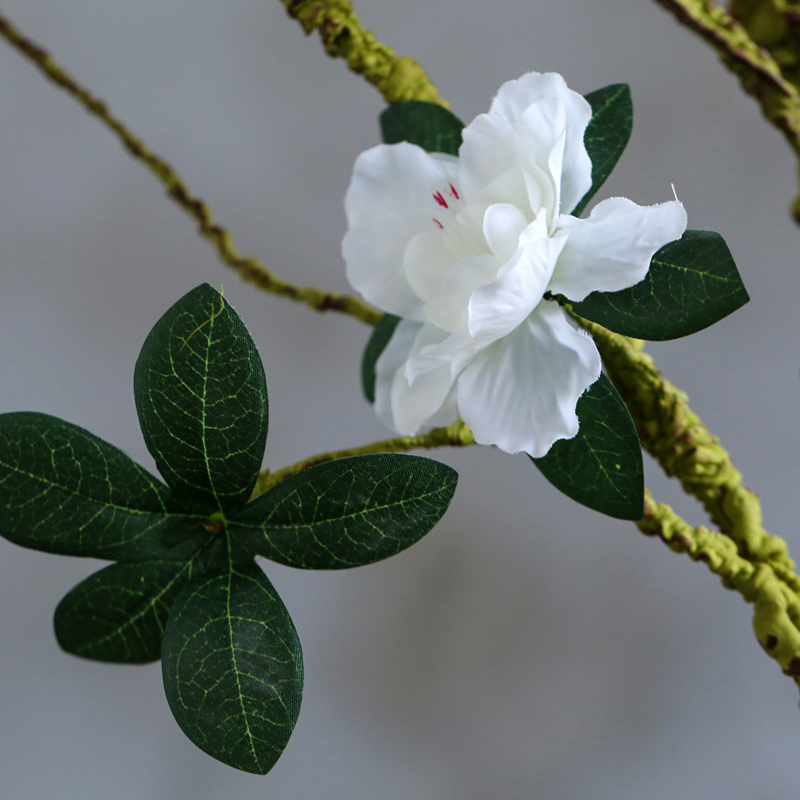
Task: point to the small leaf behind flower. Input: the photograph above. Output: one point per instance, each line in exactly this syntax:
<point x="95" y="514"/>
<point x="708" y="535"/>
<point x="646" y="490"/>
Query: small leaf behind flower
<point x="601" y="467"/>
<point x="349" y="512"/>
<point x="429" y="125"/>
<point x="375" y="346"/>
<point x="691" y="284"/>
<point x="201" y="397"/>
<point x="233" y="668"/>
<point x="607" y="134"/>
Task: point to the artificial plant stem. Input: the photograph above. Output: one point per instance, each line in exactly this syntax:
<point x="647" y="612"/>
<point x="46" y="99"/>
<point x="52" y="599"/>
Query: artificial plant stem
<point x="746" y="47"/>
<point x="397" y="78"/>
<point x="456" y="435"/>
<point x="776" y="608"/>
<point x="248" y="267"/>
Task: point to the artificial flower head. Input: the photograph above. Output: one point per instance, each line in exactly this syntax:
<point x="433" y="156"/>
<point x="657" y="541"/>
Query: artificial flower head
<point x="465" y="249"/>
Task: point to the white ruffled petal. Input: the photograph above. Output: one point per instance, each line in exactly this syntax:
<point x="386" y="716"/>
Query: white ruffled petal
<point x="391" y="361"/>
<point x="497" y="308"/>
<point x="502" y="226"/>
<point x="374" y="253"/>
<point x="396" y="177"/>
<point x="405" y="407"/>
<point x="611" y="250"/>
<point x="515" y="97"/>
<point x="520" y="393"/>
<point x="447" y="308"/>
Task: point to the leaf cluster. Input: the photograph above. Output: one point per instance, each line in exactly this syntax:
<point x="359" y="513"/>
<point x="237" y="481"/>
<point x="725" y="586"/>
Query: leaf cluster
<point x="691" y="284"/>
<point x="185" y="586"/>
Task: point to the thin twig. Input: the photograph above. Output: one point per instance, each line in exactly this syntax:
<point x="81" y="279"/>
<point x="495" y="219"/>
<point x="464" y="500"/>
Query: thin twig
<point x="248" y="267"/>
<point x="456" y="435"/>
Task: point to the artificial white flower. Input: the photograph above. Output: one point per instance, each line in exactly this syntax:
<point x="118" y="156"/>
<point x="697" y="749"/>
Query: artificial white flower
<point x="464" y="249"/>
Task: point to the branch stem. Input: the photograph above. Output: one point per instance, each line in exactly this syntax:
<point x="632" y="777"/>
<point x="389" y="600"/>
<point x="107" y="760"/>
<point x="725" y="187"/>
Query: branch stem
<point x="456" y="435"/>
<point x="249" y="268"/>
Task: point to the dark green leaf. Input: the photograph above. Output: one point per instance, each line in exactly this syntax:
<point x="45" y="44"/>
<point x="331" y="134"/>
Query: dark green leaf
<point x="349" y="512"/>
<point x="601" y="467"/>
<point x="202" y="400"/>
<point x="375" y="346"/>
<point x="233" y="668"/>
<point x="607" y="134"/>
<point x="119" y="613"/>
<point x="692" y="283"/>
<point x="64" y="490"/>
<point x="429" y="125"/>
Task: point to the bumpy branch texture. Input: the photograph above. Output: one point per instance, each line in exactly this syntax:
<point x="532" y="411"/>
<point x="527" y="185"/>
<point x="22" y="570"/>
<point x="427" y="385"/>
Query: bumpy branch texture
<point x="759" y="41"/>
<point x="248" y="267"/>
<point x="397" y="78"/>
<point x="677" y="438"/>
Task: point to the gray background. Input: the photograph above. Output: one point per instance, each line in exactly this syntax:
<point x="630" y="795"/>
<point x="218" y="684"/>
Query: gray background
<point x="527" y="648"/>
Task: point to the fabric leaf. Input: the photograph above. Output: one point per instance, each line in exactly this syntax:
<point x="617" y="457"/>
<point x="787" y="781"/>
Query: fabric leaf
<point x="429" y="125"/>
<point x="349" y="512"/>
<point x="692" y="283"/>
<point x="601" y="467"/>
<point x="202" y="400"/>
<point x="64" y="490"/>
<point x="607" y="134"/>
<point x="233" y="668"/>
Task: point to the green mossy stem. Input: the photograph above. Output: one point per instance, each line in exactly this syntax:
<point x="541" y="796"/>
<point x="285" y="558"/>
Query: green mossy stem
<point x="397" y="78"/>
<point x="758" y="42"/>
<point x="249" y="268"/>
<point x="455" y="435"/>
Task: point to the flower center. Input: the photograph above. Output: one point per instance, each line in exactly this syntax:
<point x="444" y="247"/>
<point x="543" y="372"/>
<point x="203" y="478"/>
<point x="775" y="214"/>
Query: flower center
<point x="445" y="198"/>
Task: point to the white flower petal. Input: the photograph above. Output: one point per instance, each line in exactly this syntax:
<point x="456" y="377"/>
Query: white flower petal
<point x="397" y="177"/>
<point x="413" y="405"/>
<point x="454" y="352"/>
<point x="391" y="361"/>
<point x="446" y="309"/>
<point x="611" y="250"/>
<point x="374" y="253"/>
<point x="502" y="225"/>
<point x="520" y="393"/>
<point x="497" y="308"/>
<point x="427" y="262"/>
<point x="516" y="96"/>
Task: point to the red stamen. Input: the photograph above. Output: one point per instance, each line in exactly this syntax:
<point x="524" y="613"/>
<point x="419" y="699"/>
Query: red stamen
<point x="454" y="192"/>
<point x="440" y="200"/>
<point x="441" y="227"/>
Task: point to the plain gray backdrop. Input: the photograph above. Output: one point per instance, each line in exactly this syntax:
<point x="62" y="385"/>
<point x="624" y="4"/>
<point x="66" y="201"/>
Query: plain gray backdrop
<point x="527" y="647"/>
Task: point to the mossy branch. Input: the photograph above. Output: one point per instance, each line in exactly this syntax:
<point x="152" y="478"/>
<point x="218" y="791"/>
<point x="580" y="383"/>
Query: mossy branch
<point x="397" y="78"/>
<point x="776" y="612"/>
<point x="248" y="267"/>
<point x="763" y="53"/>
<point x="456" y="435"/>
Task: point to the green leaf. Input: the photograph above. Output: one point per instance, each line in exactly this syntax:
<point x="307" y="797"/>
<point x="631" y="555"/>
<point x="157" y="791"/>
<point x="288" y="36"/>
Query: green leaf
<point x="601" y="467"/>
<point x="64" y="490"/>
<point x="375" y="346"/>
<point x="607" y="134"/>
<point x="349" y="512"/>
<point x="692" y="283"/>
<point x="119" y="613"/>
<point x="202" y="401"/>
<point x="233" y="668"/>
<point x="429" y="125"/>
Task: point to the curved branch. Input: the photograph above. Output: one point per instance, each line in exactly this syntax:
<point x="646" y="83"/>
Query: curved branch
<point x="397" y="78"/>
<point x="760" y="73"/>
<point x="249" y="268"/>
